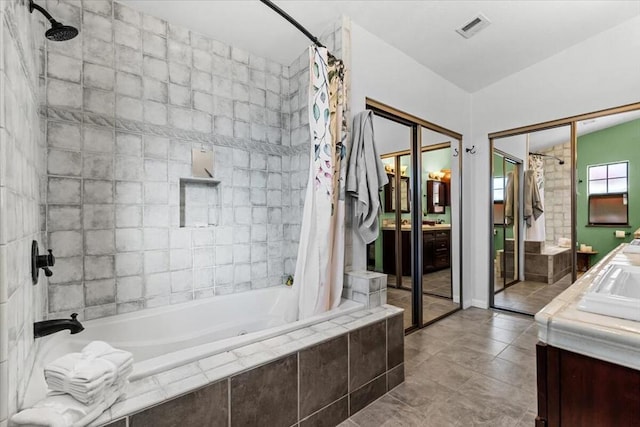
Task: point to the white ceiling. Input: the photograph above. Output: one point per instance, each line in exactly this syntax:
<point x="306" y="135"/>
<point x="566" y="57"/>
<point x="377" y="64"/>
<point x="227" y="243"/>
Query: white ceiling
<point x="521" y="34"/>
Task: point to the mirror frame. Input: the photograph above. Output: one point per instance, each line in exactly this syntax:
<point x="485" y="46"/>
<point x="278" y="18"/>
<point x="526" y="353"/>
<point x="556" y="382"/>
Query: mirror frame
<point x="571" y="121"/>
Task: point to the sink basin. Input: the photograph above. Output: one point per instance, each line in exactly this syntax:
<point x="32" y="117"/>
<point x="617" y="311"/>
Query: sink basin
<point x="614" y="292"/>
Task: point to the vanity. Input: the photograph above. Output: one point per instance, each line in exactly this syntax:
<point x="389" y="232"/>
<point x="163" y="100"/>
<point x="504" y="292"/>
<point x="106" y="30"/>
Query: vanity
<point x="436" y="247"/>
<point x="588" y="364"/>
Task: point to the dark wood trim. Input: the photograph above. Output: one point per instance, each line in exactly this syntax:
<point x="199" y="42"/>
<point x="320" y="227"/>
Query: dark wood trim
<point x="406" y="118"/>
<point x="565" y="121"/>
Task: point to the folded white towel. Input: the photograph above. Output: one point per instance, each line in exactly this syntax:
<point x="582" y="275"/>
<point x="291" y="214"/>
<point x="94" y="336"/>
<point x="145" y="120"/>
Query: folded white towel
<point x="86" y="375"/>
<point x="95" y="361"/>
<point x="91" y="397"/>
<point x="65" y="411"/>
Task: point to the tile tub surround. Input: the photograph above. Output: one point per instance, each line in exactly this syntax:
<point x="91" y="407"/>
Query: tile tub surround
<point x="305" y="376"/>
<point x="366" y="287"/>
<point x="125" y="104"/>
<point x="22" y="166"/>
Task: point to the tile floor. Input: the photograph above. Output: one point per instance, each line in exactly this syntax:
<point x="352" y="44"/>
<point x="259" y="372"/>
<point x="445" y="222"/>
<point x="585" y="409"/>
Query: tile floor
<point x="474" y="368"/>
<point x="433" y="307"/>
<point x="530" y="297"/>
<point x="437" y="283"/>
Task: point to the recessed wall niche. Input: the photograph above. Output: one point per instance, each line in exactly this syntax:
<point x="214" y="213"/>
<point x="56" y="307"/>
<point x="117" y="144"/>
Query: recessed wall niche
<point x="199" y="202"/>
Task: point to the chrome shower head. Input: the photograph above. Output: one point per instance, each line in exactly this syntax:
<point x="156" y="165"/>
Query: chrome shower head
<point x="57" y="32"/>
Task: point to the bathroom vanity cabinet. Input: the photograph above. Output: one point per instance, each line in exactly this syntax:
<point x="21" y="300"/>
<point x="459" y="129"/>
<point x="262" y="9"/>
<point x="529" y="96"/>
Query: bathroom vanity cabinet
<point x="588" y="364"/>
<point x="390" y="194"/>
<point x="578" y="390"/>
<point x="436" y="247"/>
<point x="437" y="197"/>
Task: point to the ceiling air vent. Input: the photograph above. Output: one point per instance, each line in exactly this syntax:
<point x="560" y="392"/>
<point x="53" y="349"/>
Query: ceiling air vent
<point x="473" y="26"/>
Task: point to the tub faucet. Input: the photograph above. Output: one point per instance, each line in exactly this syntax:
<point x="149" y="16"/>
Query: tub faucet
<point x="48" y="327"/>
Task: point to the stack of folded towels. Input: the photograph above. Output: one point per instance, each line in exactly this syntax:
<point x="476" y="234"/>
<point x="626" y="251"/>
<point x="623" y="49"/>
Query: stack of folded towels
<point x="81" y="387"/>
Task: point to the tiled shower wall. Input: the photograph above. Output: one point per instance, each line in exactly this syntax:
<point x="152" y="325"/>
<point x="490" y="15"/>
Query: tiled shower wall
<point x="557" y="194"/>
<point x="22" y="160"/>
<point x="126" y="102"/>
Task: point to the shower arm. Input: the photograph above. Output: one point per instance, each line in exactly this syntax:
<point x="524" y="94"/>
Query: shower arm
<point x="547" y="155"/>
<point x="40" y="9"/>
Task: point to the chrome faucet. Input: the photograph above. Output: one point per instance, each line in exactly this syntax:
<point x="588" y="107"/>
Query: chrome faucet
<point x="48" y="327"/>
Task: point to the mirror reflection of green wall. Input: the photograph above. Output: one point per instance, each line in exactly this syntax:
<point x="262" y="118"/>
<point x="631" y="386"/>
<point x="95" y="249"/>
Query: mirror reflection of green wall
<point x="615" y="144"/>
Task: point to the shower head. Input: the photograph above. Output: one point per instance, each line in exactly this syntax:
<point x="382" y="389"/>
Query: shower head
<point x="58" y="32"/>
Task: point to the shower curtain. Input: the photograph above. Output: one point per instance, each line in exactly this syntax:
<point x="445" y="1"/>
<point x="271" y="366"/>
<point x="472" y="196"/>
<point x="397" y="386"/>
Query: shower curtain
<point x="320" y="264"/>
<point x="537" y="230"/>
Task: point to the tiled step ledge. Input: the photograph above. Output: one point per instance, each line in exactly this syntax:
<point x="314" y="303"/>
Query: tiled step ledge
<point x="165" y="386"/>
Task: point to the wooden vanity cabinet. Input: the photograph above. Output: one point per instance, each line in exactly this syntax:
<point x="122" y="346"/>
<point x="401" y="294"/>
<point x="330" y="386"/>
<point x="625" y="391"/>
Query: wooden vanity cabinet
<point x="437" y="196"/>
<point x="577" y="390"/>
<point x="389" y="253"/>
<point x="436" y="248"/>
<point x="390" y="194"/>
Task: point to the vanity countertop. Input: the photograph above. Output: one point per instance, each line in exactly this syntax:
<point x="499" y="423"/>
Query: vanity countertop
<point x="424" y="227"/>
<point x="561" y="324"/>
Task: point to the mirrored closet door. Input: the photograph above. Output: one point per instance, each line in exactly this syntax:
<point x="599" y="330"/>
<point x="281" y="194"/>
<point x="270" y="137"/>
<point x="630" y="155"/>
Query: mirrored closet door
<point x="532" y="217"/>
<point x="419" y="242"/>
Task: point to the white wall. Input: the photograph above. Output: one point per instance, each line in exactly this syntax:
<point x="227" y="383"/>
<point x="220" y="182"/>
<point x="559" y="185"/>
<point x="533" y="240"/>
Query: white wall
<point x="382" y="72"/>
<point x="599" y="73"/>
<point x="22" y="165"/>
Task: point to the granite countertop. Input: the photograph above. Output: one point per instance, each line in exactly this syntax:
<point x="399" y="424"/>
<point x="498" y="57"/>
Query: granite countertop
<point x="425" y="227"/>
<point x="561" y="324"/>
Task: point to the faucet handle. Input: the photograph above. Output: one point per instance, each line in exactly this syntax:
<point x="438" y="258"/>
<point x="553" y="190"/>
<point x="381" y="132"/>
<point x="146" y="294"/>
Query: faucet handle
<point x="51" y="260"/>
<point x="73" y="316"/>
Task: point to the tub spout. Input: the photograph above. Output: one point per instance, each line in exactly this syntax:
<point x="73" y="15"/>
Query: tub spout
<point x="47" y="327"/>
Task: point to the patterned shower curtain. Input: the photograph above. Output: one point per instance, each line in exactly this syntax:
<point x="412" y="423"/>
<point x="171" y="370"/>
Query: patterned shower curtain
<point x="320" y="264"/>
<point x="537" y="230"/>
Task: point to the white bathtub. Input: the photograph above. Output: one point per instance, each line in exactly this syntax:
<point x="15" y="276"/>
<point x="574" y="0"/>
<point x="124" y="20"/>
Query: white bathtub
<point x="165" y="337"/>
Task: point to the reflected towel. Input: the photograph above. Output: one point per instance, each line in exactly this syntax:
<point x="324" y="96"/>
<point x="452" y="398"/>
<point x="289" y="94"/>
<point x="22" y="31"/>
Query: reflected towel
<point x="65" y="411"/>
<point x="508" y="200"/>
<point x="532" y="201"/>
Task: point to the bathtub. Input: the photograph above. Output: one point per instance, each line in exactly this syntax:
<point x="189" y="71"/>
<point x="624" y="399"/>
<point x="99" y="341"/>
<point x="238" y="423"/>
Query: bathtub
<point x="166" y="337"/>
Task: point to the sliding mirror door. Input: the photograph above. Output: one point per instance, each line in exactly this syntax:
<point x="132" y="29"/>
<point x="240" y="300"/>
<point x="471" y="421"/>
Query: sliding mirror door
<point x="532" y="217"/>
<point x="440" y="179"/>
<point x="391" y="252"/>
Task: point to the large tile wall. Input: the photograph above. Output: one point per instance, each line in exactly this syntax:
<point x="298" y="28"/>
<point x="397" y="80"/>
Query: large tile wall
<point x="126" y="102"/>
<point x="557" y="194"/>
<point x="22" y="163"/>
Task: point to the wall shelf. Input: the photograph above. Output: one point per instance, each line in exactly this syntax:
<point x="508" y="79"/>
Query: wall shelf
<point x="210" y="181"/>
<point x="199" y="202"/>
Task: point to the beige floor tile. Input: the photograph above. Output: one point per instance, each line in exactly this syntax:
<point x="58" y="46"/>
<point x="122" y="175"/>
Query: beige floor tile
<point x="474" y="368"/>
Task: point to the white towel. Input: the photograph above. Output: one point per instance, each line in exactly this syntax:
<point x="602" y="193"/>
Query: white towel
<point x="87" y="396"/>
<point x="86" y="375"/>
<point x="65" y="411"/>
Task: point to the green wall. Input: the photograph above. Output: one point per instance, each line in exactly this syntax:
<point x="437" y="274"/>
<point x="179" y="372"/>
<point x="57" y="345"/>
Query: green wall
<point x="618" y="143"/>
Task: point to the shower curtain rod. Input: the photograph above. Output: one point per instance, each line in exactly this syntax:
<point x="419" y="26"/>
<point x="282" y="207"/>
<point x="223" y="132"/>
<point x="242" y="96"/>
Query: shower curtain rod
<point x="295" y="23"/>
